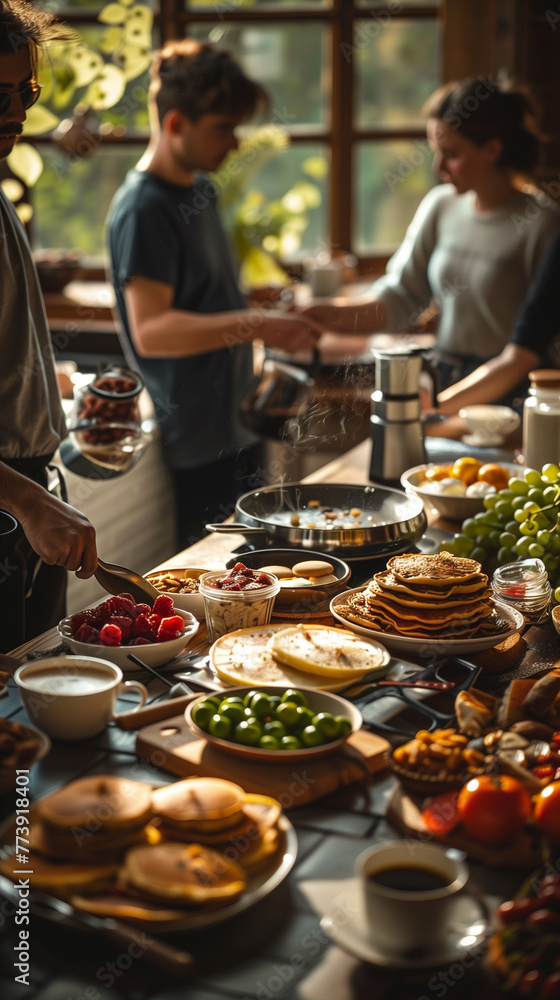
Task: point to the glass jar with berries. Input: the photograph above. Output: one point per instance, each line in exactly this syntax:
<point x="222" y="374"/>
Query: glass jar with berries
<point x="105" y="425"/>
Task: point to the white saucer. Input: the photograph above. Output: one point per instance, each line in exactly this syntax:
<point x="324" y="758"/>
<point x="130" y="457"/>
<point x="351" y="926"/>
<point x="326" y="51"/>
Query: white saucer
<point x="478" y="442"/>
<point x="345" y="923"/>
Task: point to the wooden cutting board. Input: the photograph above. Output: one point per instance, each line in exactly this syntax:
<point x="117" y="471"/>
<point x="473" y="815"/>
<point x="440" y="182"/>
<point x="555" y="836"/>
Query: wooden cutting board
<point x="170" y="744"/>
<point x="405" y="811"/>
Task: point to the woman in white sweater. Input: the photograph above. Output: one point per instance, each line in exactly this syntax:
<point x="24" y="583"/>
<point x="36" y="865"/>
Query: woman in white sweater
<point x="477" y="239"/>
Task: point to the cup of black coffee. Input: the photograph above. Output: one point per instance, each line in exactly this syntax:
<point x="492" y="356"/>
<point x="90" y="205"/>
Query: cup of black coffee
<point x="409" y="891"/>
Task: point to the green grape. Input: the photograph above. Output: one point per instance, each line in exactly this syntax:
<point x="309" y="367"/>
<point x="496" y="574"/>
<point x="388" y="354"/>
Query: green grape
<point x="519" y="487"/>
<point x="478" y="553"/>
<point x="551" y="494"/>
<point x="485" y="517"/>
<point x="550" y="472"/>
<point x="543" y="538"/>
<point x="529" y="528"/>
<point x="555" y="543"/>
<point x="557" y="595"/>
<point x="551" y="562"/>
<point x="470" y="527"/>
<point x="493" y="540"/>
<point x="533" y="477"/>
<point x="537" y="496"/>
<point x="536" y="550"/>
<point x="447" y="547"/>
<point x="519" y="502"/>
<point x="508" y="539"/>
<point x="522" y="547"/>
<point x="531" y="506"/>
<point x="521" y="516"/>
<point x="490" y="500"/>
<point x="512" y="526"/>
<point x="504" y="507"/>
<point x="506" y="494"/>
<point x="506" y="555"/>
<point x="541" y="520"/>
<point x="463" y="545"/>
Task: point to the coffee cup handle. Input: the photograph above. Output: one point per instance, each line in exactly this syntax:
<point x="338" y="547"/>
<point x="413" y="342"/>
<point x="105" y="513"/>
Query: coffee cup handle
<point x="132" y="686"/>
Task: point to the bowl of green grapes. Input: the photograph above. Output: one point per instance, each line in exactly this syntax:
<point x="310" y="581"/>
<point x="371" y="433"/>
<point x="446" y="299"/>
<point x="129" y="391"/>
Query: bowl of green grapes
<point x="272" y="723"/>
<point x="519" y="522"/>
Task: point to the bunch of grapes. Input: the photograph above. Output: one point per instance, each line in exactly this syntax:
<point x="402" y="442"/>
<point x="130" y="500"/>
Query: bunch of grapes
<point x="518" y="522"/>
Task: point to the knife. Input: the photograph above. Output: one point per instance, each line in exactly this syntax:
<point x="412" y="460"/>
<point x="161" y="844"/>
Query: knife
<point x="166" y="957"/>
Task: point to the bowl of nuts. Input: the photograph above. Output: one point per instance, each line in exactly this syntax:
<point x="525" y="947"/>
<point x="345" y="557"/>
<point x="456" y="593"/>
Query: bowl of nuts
<point x="434" y="762"/>
<point x="21" y="746"/>
<point x="181" y="584"/>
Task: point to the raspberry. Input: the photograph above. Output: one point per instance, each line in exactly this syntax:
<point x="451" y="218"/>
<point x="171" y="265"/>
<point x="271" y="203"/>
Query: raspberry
<point x="170" y="628"/>
<point x="142" y="609"/>
<point x="141" y="627"/>
<point x="79" y="619"/>
<point x="163" y="605"/>
<point x="125" y="625"/>
<point x="140" y="641"/>
<point x="110" y="635"/>
<point x="86" y="633"/>
<point x="124" y="605"/>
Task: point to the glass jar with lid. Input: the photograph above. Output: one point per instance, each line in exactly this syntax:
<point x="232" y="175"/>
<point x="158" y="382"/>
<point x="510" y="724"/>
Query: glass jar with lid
<point x="541" y="418"/>
<point x="524" y="585"/>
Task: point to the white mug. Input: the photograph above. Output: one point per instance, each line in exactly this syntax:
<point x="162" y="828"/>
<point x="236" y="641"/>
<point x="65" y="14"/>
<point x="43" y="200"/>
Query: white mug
<point x="324" y="276"/>
<point x="409" y="889"/>
<point x="73" y="697"/>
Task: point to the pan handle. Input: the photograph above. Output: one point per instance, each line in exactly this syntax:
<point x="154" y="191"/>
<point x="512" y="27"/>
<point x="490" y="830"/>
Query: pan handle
<point x="232" y="528"/>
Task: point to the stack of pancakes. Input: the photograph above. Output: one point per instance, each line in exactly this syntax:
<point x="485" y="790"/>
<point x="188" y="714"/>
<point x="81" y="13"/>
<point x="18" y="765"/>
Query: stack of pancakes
<point x="116" y="848"/>
<point x="427" y="596"/>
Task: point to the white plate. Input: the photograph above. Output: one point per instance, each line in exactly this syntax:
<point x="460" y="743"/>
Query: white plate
<point x="345" y="923"/>
<point x="424" y="647"/>
<point x="294" y="678"/>
<point x="259" y="884"/>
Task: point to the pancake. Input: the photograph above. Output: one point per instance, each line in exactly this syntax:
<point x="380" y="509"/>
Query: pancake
<point x="184" y="873"/>
<point x="200" y="804"/>
<point x="99" y="802"/>
<point x="442" y="569"/>
<point x="244" y="657"/>
<point x="420" y="594"/>
<point x="62" y="877"/>
<point x="331" y="652"/>
<point x="121" y="906"/>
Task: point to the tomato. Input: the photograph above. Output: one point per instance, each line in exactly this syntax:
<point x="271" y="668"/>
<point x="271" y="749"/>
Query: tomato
<point x="441" y="815"/>
<point x="493" y="809"/>
<point x="547" y="810"/>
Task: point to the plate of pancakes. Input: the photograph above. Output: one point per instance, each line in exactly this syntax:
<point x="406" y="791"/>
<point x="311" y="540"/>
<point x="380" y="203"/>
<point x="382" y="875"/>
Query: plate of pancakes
<point x="423" y="603"/>
<point x="326" y="658"/>
<point x="183" y="856"/>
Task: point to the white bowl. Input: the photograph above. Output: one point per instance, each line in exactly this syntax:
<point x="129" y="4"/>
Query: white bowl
<point x="194" y="603"/>
<point x="153" y="653"/>
<point x="455" y="508"/>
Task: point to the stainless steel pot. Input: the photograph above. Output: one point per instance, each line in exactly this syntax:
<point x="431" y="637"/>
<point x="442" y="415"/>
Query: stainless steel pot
<point x="391" y="521"/>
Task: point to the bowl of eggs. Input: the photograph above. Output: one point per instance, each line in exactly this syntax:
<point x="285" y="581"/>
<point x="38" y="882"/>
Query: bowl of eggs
<point x="308" y="580"/>
<point x="456" y="491"/>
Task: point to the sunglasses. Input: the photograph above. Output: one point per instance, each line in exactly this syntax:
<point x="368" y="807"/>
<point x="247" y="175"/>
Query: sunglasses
<point x="28" y="92"/>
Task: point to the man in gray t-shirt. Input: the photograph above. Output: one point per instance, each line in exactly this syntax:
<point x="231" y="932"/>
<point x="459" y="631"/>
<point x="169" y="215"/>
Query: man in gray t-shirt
<point x="51" y="536"/>
<point x="175" y="280"/>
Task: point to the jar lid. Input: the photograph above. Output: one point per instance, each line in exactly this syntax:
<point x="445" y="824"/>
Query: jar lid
<point x="545" y="378"/>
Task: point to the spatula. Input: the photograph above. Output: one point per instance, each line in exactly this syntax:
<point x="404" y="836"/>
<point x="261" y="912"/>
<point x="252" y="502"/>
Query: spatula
<point x="117" y="579"/>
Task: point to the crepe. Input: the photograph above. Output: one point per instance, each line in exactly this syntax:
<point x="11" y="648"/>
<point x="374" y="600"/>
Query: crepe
<point x="330" y="652"/>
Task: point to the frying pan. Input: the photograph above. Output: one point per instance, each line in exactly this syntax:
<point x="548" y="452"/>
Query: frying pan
<point x="397" y="519"/>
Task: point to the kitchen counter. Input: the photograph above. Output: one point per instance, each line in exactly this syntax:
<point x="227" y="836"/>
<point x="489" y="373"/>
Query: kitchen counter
<point x="276" y="949"/>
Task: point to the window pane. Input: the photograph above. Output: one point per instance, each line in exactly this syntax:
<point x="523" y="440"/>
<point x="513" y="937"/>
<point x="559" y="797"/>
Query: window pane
<point x="391" y="180"/>
<point x="69" y="71"/>
<point x="282" y="207"/>
<point x="288" y="59"/>
<point x="397" y="68"/>
<point x="70" y="208"/>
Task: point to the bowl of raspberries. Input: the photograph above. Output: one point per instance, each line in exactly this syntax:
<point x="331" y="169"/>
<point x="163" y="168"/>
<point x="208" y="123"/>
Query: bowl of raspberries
<point x="119" y="626"/>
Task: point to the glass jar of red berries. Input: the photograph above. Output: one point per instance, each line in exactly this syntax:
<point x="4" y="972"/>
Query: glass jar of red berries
<point x="105" y="422"/>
